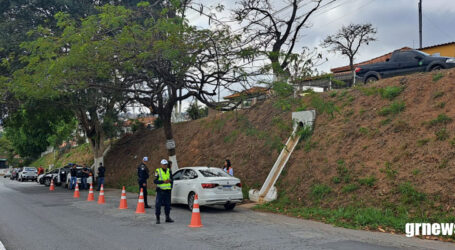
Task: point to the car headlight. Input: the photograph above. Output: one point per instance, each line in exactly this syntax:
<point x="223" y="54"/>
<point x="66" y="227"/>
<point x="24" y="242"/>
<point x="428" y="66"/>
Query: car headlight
<point x="450" y="60"/>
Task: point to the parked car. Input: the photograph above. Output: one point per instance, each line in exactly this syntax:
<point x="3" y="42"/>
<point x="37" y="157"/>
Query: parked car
<point x="40" y="179"/>
<point x="8" y="174"/>
<point x="213" y="186"/>
<point x="15" y="173"/>
<point x="79" y="175"/>
<point x="61" y="176"/>
<point x="48" y="177"/>
<point x="28" y="173"/>
<point x="403" y="62"/>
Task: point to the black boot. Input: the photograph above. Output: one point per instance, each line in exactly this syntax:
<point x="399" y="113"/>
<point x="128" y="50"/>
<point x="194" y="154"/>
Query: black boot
<point x="168" y="219"/>
<point x="158" y="219"/>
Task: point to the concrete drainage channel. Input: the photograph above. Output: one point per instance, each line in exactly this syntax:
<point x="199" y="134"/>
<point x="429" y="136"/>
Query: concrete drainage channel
<point x="268" y="190"/>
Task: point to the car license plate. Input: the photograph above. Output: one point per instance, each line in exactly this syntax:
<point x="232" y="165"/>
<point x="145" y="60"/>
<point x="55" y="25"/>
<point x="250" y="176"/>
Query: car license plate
<point x="227" y="188"/>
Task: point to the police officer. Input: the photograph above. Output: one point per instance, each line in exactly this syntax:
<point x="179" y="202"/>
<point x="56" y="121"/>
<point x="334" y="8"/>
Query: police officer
<point x="142" y="176"/>
<point x="163" y="181"/>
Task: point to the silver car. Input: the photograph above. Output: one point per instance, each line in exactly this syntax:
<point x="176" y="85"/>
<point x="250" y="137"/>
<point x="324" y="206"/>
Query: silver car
<point x="28" y="173"/>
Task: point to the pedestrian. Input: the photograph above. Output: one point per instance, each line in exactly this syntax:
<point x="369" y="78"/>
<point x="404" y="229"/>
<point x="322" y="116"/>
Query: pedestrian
<point x="73" y="179"/>
<point x="163" y="181"/>
<point x="85" y="175"/>
<point x="142" y="176"/>
<point x="40" y="170"/>
<point x="228" y="168"/>
<point x="101" y="171"/>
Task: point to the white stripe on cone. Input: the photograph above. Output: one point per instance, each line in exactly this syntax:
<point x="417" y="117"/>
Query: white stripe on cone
<point x="123" y="198"/>
<point x="196" y="210"/>
<point x="141" y="200"/>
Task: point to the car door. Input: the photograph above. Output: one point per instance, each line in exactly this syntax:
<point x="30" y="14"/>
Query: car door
<point x="187" y="184"/>
<point x="408" y="63"/>
<point x="176" y="196"/>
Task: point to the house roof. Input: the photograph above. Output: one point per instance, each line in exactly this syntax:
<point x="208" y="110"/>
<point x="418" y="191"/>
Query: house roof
<point x="248" y="92"/>
<point x="437" y="45"/>
<point x="382" y="58"/>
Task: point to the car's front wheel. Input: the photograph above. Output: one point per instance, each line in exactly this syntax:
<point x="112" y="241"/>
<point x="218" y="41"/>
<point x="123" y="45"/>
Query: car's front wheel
<point x="436" y="68"/>
<point x="47" y="182"/>
<point x="229" y="206"/>
<point x="191" y="201"/>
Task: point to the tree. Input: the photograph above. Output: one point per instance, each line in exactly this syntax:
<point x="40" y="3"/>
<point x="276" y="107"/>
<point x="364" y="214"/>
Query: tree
<point x="196" y="112"/>
<point x="36" y="126"/>
<point x="273" y="36"/>
<point x="348" y="40"/>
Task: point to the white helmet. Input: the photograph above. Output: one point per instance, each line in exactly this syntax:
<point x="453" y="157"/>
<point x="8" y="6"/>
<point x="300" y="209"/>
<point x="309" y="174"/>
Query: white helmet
<point x="163" y="162"/>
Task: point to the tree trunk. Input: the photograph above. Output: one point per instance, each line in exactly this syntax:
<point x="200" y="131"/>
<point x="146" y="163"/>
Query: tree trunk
<point x="351" y="65"/>
<point x="170" y="143"/>
<point x="98" y="148"/>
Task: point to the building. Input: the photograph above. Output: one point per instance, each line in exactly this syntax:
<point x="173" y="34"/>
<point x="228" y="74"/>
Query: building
<point x="443" y="49"/>
<point x="249" y="97"/>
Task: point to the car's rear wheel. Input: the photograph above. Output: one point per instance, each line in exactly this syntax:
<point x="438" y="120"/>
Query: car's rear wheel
<point x="191" y="201"/>
<point x="229" y="206"/>
<point x="436" y="68"/>
<point x="371" y="79"/>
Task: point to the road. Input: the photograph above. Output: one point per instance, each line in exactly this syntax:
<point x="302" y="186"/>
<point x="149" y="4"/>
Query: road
<point x="31" y="217"/>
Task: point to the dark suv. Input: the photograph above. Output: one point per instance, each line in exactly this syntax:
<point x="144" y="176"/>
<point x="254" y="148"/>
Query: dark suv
<point x="403" y="62"/>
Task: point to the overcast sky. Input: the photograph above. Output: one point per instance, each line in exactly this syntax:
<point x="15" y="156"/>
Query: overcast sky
<point x="396" y="22"/>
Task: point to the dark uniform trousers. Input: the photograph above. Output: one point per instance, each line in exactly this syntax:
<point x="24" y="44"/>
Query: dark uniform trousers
<point x="144" y="190"/>
<point x="163" y="198"/>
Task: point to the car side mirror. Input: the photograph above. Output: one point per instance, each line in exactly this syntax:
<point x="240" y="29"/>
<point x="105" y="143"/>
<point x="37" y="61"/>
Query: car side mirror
<point x="388" y="59"/>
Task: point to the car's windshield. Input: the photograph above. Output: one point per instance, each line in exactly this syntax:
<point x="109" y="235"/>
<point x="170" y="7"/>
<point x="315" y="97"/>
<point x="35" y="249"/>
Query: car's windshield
<point x="213" y="172"/>
<point x="29" y="169"/>
<point x="423" y="53"/>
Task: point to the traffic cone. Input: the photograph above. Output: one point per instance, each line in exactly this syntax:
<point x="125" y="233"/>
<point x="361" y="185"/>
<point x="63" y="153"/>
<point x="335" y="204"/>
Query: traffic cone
<point x="123" y="203"/>
<point x="196" y="216"/>
<point x="101" y="197"/>
<point x="52" y="187"/>
<point x="91" y="196"/>
<point x="140" y="209"/>
<point x="76" y="191"/>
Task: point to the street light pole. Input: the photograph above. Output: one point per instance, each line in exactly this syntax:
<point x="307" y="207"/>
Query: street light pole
<point x="420" y="23"/>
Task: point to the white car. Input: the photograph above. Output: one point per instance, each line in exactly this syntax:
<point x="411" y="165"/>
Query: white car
<point x="213" y="186"/>
<point x="27" y="173"/>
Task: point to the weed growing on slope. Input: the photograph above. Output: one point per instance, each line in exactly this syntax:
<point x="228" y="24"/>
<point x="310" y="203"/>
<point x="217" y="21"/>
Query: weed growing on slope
<point x="423" y="142"/>
<point x="389" y="171"/>
<point x="441" y="119"/>
<point x="390" y="92"/>
<point x="367" y="181"/>
<point x="437" y="76"/>
<point x="442" y="134"/>
<point x="319" y="191"/>
<point x="438" y="94"/>
<point x="393" y="109"/>
<point x="350" y="188"/>
<point x="409" y="195"/>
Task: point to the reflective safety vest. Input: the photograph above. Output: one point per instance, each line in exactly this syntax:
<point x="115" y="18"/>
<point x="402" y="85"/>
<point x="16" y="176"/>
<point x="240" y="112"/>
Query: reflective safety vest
<point x="162" y="176"/>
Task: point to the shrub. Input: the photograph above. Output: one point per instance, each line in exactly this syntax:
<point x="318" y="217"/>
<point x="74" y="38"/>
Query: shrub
<point x="389" y="171"/>
<point x="437" y="76"/>
<point x="336" y="180"/>
<point x="394" y="108"/>
<point x="441" y="119"/>
<point x="363" y="130"/>
<point x="368" y="181"/>
<point x="319" y="191"/>
<point x="409" y="195"/>
<point x="304" y="132"/>
<point x="350" y="188"/>
<point x="442" y="134"/>
<point x="422" y="142"/>
<point x="322" y="106"/>
<point x="390" y="92"/>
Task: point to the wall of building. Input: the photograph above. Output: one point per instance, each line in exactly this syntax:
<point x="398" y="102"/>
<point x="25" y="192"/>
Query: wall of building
<point x="444" y="50"/>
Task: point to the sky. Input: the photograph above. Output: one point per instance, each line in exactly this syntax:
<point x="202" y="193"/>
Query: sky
<point x="396" y="22"/>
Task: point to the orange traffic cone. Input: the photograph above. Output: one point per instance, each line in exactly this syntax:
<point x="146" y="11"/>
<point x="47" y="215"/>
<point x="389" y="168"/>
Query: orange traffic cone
<point x="91" y="195"/>
<point x="196" y="216"/>
<point x="52" y="187"/>
<point x="123" y="203"/>
<point x="101" y="197"/>
<point x="76" y="191"/>
<point x="140" y="209"/>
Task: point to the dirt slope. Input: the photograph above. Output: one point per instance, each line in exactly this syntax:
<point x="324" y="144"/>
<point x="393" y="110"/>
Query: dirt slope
<point x="360" y="156"/>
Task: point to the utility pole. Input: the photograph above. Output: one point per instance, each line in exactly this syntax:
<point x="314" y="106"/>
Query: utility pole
<point x="420" y="23"/>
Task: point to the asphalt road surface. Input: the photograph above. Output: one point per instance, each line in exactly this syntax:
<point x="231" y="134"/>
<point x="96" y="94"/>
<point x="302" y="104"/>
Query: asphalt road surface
<point x="31" y="217"/>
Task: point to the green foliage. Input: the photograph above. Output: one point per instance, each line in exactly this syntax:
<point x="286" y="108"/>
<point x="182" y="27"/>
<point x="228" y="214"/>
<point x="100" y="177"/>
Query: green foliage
<point x="440" y="105"/>
<point x="343" y="171"/>
<point x="415" y="171"/>
<point x="319" y="191"/>
<point x="322" y="106"/>
<point x="333" y="94"/>
<point x="363" y="131"/>
<point x="367" y="181"/>
<point x="394" y="108"/>
<point x="389" y="171"/>
<point x="422" y="142"/>
<point x="304" y="132"/>
<point x="338" y="83"/>
<point x="441" y="119"/>
<point x="232" y="136"/>
<point x="350" y="188"/>
<point x="390" y="92"/>
<point x="196" y="112"/>
<point x="281" y="124"/>
<point x="442" y="134"/>
<point x="409" y="195"/>
<point x="437" y="76"/>
<point x="158" y="123"/>
<point x="385" y="121"/>
<point x="137" y="125"/>
<point x="336" y="179"/>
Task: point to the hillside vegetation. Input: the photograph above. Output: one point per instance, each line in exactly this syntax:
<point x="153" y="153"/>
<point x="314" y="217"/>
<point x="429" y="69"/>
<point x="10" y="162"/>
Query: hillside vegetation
<point x="80" y="155"/>
<point x="380" y="155"/>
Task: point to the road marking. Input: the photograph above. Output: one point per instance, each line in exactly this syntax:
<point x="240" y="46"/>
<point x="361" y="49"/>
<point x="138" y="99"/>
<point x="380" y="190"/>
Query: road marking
<point x="2" y="247"/>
